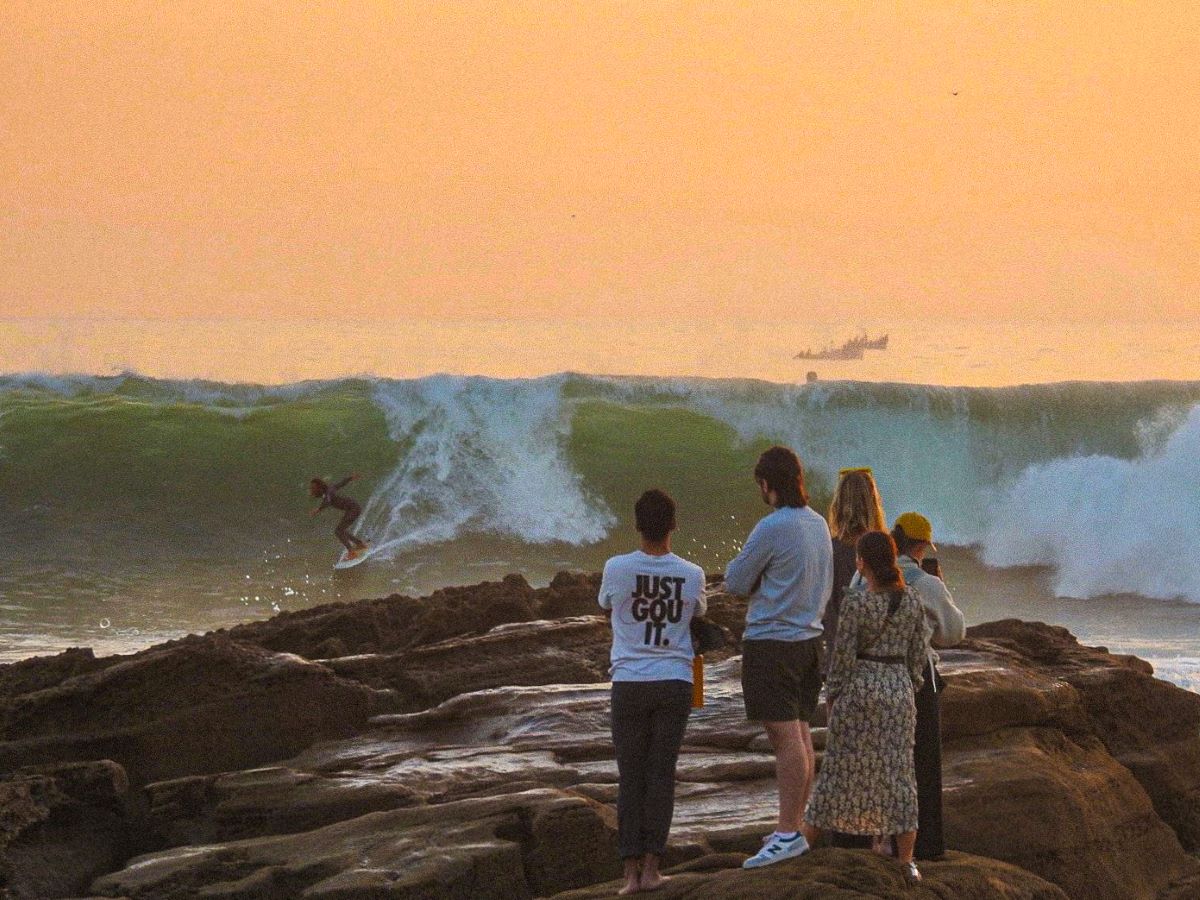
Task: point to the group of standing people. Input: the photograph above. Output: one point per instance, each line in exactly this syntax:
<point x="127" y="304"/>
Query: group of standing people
<point x="842" y="603"/>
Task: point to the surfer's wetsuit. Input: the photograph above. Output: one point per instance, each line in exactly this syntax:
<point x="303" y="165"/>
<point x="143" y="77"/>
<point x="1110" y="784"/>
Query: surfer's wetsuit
<point x="350" y="511"/>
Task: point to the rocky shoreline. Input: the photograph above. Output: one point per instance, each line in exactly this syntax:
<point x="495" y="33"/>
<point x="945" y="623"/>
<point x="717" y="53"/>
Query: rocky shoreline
<point x="457" y="746"/>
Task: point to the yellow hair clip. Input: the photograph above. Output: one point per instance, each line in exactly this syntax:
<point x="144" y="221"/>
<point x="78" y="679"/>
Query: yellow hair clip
<point x="865" y="470"/>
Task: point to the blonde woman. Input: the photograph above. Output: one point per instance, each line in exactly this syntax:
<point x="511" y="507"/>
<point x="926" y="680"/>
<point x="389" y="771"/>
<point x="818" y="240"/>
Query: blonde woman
<point x="854" y="510"/>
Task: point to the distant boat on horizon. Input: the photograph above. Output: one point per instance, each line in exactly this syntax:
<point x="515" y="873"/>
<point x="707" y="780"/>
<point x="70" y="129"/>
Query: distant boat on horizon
<point x="851" y="349"/>
<point x="879" y="343"/>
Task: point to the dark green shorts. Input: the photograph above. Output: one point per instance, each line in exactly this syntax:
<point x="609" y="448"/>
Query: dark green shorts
<point x="781" y="680"/>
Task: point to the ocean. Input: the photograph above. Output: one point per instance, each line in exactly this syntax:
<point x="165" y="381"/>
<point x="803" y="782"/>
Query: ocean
<point x="139" y="507"/>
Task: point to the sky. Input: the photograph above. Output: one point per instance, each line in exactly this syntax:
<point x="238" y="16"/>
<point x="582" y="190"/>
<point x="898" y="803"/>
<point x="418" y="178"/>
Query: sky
<point x="600" y="160"/>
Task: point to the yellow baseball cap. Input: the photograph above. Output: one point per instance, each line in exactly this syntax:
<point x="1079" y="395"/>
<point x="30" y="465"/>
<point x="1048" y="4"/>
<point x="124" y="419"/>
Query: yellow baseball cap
<point x="916" y="527"/>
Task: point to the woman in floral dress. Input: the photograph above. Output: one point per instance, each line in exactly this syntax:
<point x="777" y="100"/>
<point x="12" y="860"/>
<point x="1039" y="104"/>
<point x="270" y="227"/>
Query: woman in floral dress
<point x="867" y="784"/>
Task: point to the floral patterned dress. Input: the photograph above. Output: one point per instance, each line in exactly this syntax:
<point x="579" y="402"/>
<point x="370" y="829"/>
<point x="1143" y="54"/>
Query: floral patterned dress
<point x="867" y="784"/>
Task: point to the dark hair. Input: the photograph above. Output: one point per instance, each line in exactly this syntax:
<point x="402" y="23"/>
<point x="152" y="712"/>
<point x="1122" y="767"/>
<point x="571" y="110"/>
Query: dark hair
<point x="878" y="552"/>
<point x="903" y="542"/>
<point x="780" y="468"/>
<point x="654" y="514"/>
<point x="317" y="486"/>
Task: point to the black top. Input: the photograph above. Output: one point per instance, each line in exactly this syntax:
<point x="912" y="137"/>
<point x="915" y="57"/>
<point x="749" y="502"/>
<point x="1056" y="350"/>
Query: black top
<point x="845" y="564"/>
<point x="331" y="497"/>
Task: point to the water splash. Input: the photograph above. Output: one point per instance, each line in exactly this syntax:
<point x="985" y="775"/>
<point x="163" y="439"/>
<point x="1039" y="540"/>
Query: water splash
<point x="479" y="455"/>
<point x="1107" y="525"/>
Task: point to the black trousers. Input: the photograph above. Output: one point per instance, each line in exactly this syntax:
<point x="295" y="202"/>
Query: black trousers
<point x="927" y="757"/>
<point x="648" y="721"/>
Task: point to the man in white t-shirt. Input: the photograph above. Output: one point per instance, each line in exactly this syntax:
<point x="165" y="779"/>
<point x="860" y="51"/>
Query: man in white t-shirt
<point x="653" y="595"/>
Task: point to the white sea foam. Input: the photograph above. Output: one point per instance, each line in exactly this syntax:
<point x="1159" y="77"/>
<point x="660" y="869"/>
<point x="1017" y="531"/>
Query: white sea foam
<point x="479" y="455"/>
<point x="1107" y="525"/>
<point x="60" y="385"/>
<point x="1183" y="671"/>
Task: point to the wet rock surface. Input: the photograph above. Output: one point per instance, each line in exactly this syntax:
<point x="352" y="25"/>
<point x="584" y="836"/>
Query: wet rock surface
<point x="572" y="650"/>
<point x="519" y="844"/>
<point x="203" y="704"/>
<point x="459" y="747"/>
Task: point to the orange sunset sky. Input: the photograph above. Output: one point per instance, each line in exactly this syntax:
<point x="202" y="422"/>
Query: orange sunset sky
<point x="598" y="159"/>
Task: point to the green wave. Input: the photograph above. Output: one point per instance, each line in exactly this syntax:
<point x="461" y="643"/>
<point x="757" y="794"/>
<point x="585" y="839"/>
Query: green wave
<point x="126" y="466"/>
<point x="104" y="474"/>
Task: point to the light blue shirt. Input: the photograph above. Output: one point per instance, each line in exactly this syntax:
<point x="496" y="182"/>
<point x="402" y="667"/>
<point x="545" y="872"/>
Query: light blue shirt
<point x="786" y="569"/>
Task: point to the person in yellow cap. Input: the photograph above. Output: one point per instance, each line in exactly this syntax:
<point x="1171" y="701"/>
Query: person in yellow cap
<point x="913" y="534"/>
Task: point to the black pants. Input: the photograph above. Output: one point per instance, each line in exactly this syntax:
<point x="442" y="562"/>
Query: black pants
<point x="648" y="721"/>
<point x="927" y="758"/>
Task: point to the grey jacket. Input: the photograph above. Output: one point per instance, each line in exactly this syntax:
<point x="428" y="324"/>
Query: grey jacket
<point x="946" y="619"/>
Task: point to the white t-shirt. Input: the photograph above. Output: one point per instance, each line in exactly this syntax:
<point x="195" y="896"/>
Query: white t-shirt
<point x="653" y="599"/>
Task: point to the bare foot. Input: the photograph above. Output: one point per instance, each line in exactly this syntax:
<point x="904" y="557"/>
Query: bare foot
<point x="654" y="881"/>
<point x="633" y="874"/>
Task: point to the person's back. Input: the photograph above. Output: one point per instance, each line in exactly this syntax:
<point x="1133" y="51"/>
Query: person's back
<point x="844" y="568"/>
<point x="653" y="595"/>
<point x="883" y="625"/>
<point x="786" y="570"/>
<point x="854" y="509"/>
<point x="945" y="618"/>
<point x="653" y="600"/>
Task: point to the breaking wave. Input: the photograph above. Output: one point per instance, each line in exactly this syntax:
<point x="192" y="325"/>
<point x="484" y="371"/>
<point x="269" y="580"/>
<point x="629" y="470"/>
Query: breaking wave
<point x="1100" y="481"/>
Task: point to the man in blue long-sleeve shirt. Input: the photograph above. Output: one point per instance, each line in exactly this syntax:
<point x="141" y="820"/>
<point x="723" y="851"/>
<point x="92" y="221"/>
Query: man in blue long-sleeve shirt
<point x="786" y="570"/>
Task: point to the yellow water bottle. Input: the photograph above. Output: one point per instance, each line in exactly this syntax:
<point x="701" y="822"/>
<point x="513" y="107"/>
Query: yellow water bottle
<point x="698" y="681"/>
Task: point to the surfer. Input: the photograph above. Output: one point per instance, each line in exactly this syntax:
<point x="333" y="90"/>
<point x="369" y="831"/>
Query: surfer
<point x="329" y="495"/>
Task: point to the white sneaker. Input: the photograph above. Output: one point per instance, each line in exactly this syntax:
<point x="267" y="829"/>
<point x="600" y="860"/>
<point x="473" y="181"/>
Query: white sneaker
<point x="776" y="849"/>
<point x="911" y="873"/>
